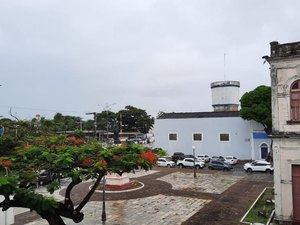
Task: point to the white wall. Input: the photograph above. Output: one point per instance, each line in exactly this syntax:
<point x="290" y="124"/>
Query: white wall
<point x="240" y="136"/>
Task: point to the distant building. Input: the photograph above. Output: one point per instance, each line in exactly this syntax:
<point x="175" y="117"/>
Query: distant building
<point x="221" y="132"/>
<point x="285" y="78"/>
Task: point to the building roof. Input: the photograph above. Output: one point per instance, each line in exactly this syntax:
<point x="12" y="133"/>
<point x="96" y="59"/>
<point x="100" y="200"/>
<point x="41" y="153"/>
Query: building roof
<point x="190" y="115"/>
<point x="288" y="50"/>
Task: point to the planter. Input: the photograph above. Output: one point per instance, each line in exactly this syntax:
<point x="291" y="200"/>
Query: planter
<point x="261" y="211"/>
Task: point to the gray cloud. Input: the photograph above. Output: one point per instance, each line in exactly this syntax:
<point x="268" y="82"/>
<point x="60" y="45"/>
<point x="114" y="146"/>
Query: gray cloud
<point x="71" y="56"/>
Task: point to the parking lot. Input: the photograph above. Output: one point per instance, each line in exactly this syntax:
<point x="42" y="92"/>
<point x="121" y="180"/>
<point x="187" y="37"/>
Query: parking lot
<point x="174" y="196"/>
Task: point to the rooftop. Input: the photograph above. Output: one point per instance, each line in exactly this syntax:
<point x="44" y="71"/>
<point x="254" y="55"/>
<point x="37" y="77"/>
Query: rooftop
<point x="283" y="50"/>
<point x="190" y="115"/>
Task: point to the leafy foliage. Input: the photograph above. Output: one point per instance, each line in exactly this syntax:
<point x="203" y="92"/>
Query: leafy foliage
<point x="160" y="152"/>
<point x="135" y="119"/>
<point x="62" y="156"/>
<point x="256" y="105"/>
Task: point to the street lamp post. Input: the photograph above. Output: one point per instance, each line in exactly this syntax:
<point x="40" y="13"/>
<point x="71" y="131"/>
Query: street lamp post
<point x="103" y="200"/>
<point x="193" y="147"/>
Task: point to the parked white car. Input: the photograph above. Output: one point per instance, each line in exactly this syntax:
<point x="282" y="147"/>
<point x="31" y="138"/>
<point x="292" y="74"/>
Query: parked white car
<point x="203" y="157"/>
<point x="189" y="162"/>
<point x="258" y="165"/>
<point x="165" y="162"/>
<point x="231" y="160"/>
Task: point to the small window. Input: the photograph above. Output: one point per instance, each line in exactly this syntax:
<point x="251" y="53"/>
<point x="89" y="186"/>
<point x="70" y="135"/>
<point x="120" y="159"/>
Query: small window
<point x="197" y="136"/>
<point x="224" y="137"/>
<point x="295" y="85"/>
<point x="173" y="137"/>
<point x="295" y="101"/>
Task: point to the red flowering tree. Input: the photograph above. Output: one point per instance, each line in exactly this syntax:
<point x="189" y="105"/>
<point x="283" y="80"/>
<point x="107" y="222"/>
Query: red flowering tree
<point x="63" y="156"/>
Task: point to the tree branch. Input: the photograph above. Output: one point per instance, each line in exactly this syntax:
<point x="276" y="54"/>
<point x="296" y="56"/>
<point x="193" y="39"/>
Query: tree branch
<point x="89" y="194"/>
<point x="68" y="201"/>
<point x="10" y="113"/>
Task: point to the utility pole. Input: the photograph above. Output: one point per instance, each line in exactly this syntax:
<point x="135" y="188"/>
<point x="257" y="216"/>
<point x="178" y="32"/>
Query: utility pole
<point x="121" y="123"/>
<point x="80" y="124"/>
<point x="106" y="108"/>
<point x="95" y="122"/>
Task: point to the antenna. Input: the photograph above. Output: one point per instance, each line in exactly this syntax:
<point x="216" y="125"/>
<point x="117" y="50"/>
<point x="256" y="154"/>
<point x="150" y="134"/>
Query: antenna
<point x="224" y="66"/>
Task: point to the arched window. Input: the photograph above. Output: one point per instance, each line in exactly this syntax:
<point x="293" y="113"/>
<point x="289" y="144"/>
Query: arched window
<point x="295" y="101"/>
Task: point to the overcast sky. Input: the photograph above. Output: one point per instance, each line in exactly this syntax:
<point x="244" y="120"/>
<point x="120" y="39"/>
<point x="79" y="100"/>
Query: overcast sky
<point x="76" y="56"/>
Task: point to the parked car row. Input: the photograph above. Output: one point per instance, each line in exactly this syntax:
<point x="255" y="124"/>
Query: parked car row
<point x="205" y="158"/>
<point x="190" y="162"/>
<point x="216" y="163"/>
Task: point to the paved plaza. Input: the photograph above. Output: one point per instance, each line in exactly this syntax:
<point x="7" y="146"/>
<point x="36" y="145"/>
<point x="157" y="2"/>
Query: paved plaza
<point x="207" y="183"/>
<point x="159" y="209"/>
<point x="186" y="198"/>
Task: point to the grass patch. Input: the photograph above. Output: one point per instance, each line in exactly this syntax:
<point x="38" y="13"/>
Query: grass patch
<point x="261" y="211"/>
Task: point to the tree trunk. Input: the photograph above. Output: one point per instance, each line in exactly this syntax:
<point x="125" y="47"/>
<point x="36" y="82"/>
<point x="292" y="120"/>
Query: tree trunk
<point x="53" y="219"/>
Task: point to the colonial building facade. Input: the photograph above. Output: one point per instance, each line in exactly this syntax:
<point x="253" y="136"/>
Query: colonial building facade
<point x="284" y="63"/>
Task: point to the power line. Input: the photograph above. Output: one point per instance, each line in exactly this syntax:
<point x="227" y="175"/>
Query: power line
<point x="41" y="109"/>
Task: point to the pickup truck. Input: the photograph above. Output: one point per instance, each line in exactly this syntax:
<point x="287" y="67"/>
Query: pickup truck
<point x="189" y="162"/>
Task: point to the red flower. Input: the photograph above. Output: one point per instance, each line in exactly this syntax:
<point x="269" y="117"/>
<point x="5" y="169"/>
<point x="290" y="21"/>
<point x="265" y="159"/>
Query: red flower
<point x="102" y="163"/>
<point x="123" y="145"/>
<point x="7" y="163"/>
<point x="87" y="162"/>
<point x="149" y="156"/>
<point x="74" y="140"/>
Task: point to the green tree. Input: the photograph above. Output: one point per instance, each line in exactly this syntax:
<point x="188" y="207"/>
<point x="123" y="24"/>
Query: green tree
<point x="88" y="125"/>
<point x="70" y="157"/>
<point x="256" y="105"/>
<point x="135" y="120"/>
<point x="107" y="120"/>
<point x="65" y="123"/>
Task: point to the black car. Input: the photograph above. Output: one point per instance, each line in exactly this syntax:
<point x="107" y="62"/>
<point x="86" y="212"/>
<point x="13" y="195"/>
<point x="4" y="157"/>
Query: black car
<point x="189" y="156"/>
<point x="45" y="178"/>
<point x="177" y="155"/>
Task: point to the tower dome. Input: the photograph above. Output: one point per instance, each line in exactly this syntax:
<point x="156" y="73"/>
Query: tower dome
<point x="225" y="95"/>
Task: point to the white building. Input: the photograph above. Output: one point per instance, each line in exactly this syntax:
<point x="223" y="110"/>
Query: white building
<point x="221" y="132"/>
<point x="285" y="79"/>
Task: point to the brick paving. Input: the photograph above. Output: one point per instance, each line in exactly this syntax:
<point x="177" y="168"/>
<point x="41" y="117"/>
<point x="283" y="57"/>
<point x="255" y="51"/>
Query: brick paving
<point x="173" y="196"/>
